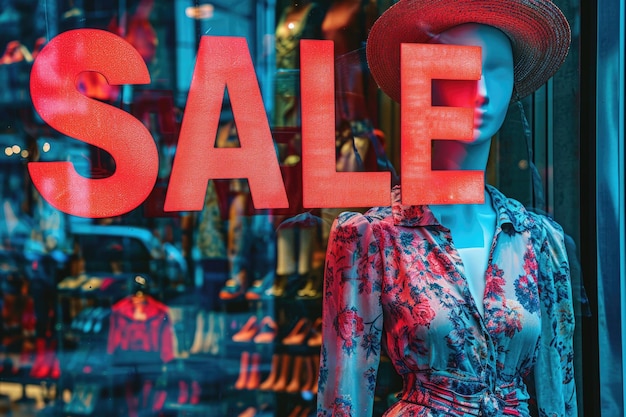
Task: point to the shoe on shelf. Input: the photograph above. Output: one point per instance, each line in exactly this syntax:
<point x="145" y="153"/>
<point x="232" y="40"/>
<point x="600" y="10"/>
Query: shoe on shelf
<point x="315" y="337"/>
<point x="267" y="331"/>
<point x="304" y="291"/>
<point x="259" y="287"/>
<point x="313" y="286"/>
<point x="278" y="287"/>
<point x="299" y="333"/>
<point x="248" y="331"/>
<point x="248" y="412"/>
<point x="232" y="289"/>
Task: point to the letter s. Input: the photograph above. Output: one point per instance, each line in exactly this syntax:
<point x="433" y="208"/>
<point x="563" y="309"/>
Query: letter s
<point x="60" y="104"/>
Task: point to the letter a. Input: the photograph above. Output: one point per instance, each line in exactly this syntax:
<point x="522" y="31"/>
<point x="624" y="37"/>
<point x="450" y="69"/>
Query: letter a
<point x="224" y="62"/>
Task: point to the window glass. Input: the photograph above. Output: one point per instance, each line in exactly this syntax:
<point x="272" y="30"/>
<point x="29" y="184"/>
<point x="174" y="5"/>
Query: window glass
<point x="215" y="310"/>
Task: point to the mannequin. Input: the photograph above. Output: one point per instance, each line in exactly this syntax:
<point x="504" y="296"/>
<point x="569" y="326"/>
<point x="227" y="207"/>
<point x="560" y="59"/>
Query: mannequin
<point x="461" y="296"/>
<point x="472" y="225"/>
<point x="250" y="240"/>
<point x="302" y="19"/>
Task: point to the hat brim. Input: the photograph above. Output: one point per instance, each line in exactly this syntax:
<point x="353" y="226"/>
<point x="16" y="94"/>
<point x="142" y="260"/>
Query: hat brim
<point x="539" y="32"/>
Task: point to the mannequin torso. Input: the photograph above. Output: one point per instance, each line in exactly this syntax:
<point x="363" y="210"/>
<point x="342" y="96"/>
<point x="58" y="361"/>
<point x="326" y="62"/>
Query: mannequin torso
<point x="472" y="228"/>
<point x="469" y="302"/>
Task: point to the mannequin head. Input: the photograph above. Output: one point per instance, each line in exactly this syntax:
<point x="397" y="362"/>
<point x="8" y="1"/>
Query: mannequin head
<point x="539" y="32"/>
<point x="491" y="95"/>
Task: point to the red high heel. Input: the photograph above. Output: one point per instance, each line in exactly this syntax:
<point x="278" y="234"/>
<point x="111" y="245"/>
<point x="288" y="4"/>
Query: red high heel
<point x="268" y="331"/>
<point x="248" y="331"/>
<point x="299" y="333"/>
<point x="315" y="339"/>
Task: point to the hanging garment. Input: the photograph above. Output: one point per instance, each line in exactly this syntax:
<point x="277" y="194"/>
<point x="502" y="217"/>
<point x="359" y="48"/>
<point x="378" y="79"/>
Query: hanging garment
<point x="394" y="279"/>
<point x="132" y="341"/>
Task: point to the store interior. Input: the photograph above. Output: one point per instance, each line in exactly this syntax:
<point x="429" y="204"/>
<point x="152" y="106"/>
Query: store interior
<point x="214" y="312"/>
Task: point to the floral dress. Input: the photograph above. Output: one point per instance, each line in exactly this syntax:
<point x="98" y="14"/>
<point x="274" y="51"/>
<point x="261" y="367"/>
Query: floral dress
<point x="394" y="278"/>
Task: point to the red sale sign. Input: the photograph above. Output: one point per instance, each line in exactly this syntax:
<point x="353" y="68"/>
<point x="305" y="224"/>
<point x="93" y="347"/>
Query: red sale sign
<point x="225" y="62"/>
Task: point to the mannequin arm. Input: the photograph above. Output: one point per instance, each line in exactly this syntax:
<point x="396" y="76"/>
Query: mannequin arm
<point x="554" y="371"/>
<point x="352" y="319"/>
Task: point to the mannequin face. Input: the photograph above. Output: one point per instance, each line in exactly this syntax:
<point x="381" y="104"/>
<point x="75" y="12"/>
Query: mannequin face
<point x="490" y="96"/>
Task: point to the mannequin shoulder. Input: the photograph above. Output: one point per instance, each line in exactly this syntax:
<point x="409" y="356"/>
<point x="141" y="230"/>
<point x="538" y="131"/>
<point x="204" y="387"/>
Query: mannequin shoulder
<point x="348" y="222"/>
<point x="551" y="239"/>
<point x="545" y="226"/>
<point x="372" y="215"/>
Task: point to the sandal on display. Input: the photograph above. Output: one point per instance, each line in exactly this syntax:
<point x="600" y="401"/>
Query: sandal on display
<point x="248" y="412"/>
<point x="260" y="287"/>
<point x="299" y="332"/>
<point x="315" y="338"/>
<point x="267" y="331"/>
<point x="307" y="289"/>
<point x="277" y="289"/>
<point x="232" y="289"/>
<point x="312" y="287"/>
<point x="248" y="331"/>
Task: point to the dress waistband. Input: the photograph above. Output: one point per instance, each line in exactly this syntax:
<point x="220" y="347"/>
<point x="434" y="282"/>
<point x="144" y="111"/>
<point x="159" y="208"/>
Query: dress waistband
<point x="457" y="397"/>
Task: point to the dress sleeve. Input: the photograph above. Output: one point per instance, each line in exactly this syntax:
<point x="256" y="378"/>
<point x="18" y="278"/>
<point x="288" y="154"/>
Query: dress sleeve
<point x="554" y="371"/>
<point x="352" y="319"/>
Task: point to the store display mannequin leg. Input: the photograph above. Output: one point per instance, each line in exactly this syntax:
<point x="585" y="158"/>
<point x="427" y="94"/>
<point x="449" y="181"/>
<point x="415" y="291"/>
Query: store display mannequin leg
<point x="272" y="377"/>
<point x="198" y="338"/>
<point x="294" y="257"/>
<point x="210" y="340"/>
<point x="254" y="375"/>
<point x="243" y="371"/>
<point x="296" y="377"/>
<point x="237" y="229"/>
<point x="281" y="383"/>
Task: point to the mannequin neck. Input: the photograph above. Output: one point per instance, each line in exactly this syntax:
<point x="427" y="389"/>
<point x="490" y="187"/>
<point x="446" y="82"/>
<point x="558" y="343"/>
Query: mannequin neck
<point x="468" y="223"/>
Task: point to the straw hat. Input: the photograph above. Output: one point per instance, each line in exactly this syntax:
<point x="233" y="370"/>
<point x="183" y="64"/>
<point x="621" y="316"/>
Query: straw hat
<point x="539" y="33"/>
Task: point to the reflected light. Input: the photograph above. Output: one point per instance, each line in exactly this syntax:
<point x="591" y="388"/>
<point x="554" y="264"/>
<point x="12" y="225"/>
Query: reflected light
<point x="203" y="11"/>
<point x="46" y="147"/>
<point x="291" y="25"/>
<point x="523" y="164"/>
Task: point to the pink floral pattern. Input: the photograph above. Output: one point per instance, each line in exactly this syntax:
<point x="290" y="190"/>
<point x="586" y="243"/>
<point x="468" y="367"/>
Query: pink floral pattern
<point x="349" y="327"/>
<point x="395" y="268"/>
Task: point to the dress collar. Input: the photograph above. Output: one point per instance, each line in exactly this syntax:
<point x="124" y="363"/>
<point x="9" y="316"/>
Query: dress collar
<point x="509" y="211"/>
